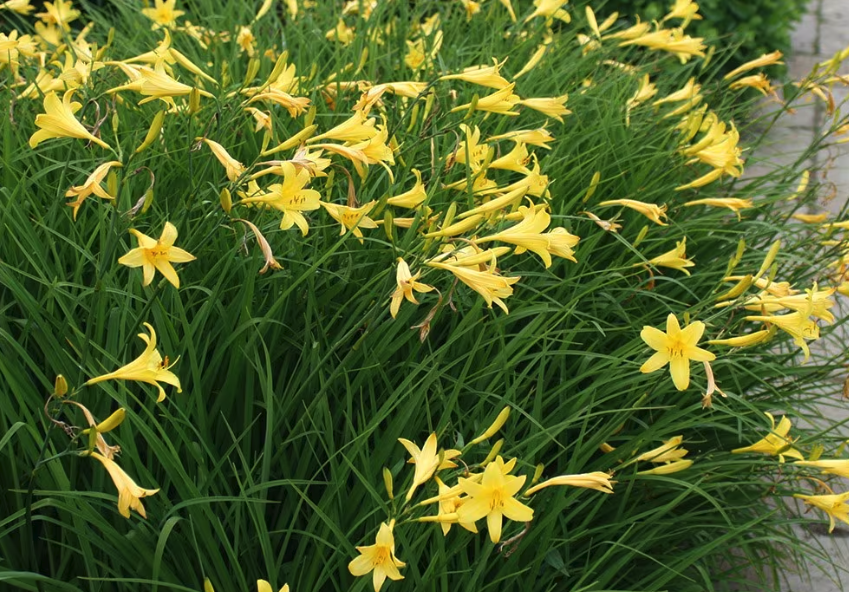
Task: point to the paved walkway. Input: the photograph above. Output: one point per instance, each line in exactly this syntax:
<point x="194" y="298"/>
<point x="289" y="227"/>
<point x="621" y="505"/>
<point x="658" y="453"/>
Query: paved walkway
<point x="822" y="32"/>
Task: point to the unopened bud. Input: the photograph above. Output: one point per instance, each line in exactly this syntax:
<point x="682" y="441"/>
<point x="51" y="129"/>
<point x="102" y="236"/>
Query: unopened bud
<point x="226" y="200"/>
<point x="387" y="483"/>
<point x="500" y="420"/>
<point x="60" y="386"/>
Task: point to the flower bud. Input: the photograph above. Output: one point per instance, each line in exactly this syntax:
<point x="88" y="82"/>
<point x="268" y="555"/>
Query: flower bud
<point x="60" y="386"/>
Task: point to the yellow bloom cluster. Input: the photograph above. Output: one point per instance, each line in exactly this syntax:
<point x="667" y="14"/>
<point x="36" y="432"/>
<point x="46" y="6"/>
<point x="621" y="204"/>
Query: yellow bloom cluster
<point x="484" y="491"/>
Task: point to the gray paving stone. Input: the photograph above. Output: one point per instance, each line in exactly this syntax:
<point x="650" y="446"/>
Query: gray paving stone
<point x="804" y="36"/>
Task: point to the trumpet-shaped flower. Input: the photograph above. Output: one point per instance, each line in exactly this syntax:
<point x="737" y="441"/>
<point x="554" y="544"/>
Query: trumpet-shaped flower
<point x="163" y="13"/>
<point x="554" y="107"/>
<point x="58" y="121"/>
<point x="20" y="6"/>
<point x="494" y="499"/>
<point x="767" y="59"/>
<point x="411" y="198"/>
<point x="91" y="186"/>
<point x="406" y="284"/>
<point x="129" y="494"/>
<point x="59" y="13"/>
<point x="732" y="203"/>
<point x="550" y="9"/>
<point x="356" y="128"/>
<point x="839" y="467"/>
<point x="675" y="259"/>
<point x="427" y="461"/>
<point x="776" y="443"/>
<point x="651" y="211"/>
<point x="352" y="219"/>
<point x="378" y="558"/>
<point x="489" y="283"/>
<point x="834" y="505"/>
<point x="290" y="197"/>
<point x="595" y="480"/>
<point x="515" y="160"/>
<point x="540" y="137"/>
<point x="677" y="347"/>
<point x="501" y="101"/>
<point x="797" y="324"/>
<point x="669" y="451"/>
<point x="232" y="167"/>
<point x="152" y="255"/>
<point x="528" y="235"/>
<point x="488" y="76"/>
<point x="149" y="367"/>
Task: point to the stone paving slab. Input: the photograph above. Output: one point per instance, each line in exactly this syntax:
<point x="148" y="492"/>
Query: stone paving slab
<point x="821" y="33"/>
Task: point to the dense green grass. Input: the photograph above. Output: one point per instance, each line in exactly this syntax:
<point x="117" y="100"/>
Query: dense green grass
<point x="297" y="383"/>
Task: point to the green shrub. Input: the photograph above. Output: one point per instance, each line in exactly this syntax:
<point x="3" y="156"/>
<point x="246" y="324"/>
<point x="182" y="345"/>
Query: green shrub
<point x="756" y="26"/>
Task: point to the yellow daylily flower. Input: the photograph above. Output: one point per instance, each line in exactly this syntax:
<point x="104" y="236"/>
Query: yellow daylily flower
<point x="550" y="9"/>
<point x="489" y="284"/>
<point x="540" y="137"/>
<point x="767" y="59"/>
<point x="501" y="101"/>
<point x="651" y="211"/>
<point x="838" y="467"/>
<point x="669" y="451"/>
<point x="129" y="494"/>
<point x="232" y="167"/>
<point x="488" y="76"/>
<point x="834" y="505"/>
<point x="356" y="128"/>
<point x="687" y="10"/>
<point x="427" y="461"/>
<point x="554" y="107"/>
<point x="732" y="203"/>
<point x="674" y="259"/>
<point x="163" y="13"/>
<point x="515" y="160"/>
<point x="494" y="499"/>
<point x="528" y="235"/>
<point x="155" y="84"/>
<point x="149" y="367"/>
<point x="744" y="340"/>
<point x="153" y="255"/>
<point x="672" y="40"/>
<point x="59" y="13"/>
<point x="352" y="219"/>
<point x="20" y="6"/>
<point x="758" y="82"/>
<point x="290" y="197"/>
<point x="687" y="93"/>
<point x="446" y="514"/>
<point x="58" y="121"/>
<point x="411" y="198"/>
<point x="341" y="33"/>
<point x="407" y="283"/>
<point x="595" y="480"/>
<point x="811" y="218"/>
<point x="379" y="558"/>
<point x="91" y="186"/>
<point x="796" y="324"/>
<point x="677" y="347"/>
<point x="264" y="586"/>
<point x="776" y="443"/>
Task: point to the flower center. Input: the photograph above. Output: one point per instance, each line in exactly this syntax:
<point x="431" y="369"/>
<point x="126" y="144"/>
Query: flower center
<point x="676" y="348"/>
<point x="381" y="556"/>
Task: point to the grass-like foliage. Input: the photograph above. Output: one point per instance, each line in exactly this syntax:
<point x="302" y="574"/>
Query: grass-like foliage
<point x="303" y="307"/>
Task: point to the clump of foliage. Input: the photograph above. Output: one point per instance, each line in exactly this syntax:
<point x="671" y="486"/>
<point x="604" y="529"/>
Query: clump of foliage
<point x="754" y="27"/>
<point x="255" y="260"/>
